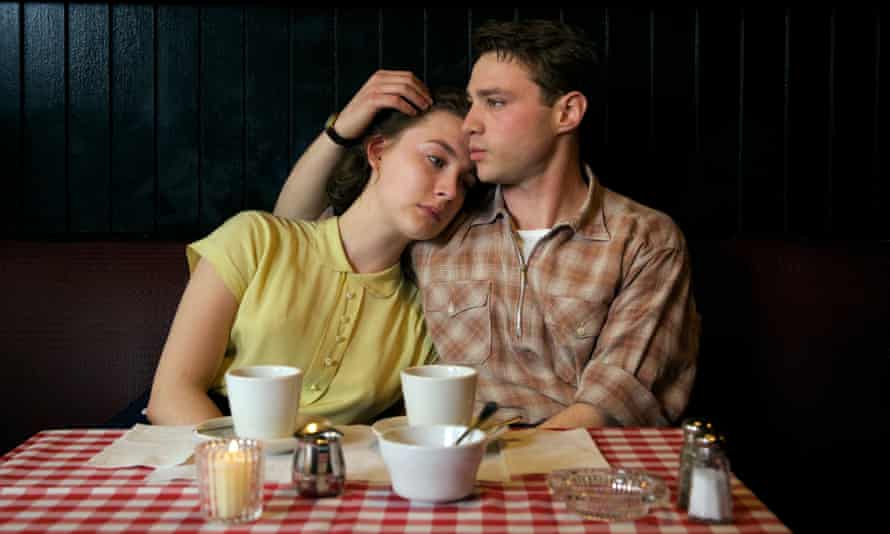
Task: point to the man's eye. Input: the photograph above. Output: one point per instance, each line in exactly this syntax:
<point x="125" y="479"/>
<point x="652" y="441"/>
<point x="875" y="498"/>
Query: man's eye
<point x="495" y="103"/>
<point x="436" y="161"/>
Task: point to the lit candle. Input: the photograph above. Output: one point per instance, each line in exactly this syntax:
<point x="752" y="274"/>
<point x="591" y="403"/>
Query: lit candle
<point x="230" y="479"/>
<point x="230" y="482"/>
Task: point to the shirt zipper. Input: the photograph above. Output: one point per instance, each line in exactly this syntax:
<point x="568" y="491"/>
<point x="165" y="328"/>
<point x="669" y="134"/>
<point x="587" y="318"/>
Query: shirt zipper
<point x="523" y="270"/>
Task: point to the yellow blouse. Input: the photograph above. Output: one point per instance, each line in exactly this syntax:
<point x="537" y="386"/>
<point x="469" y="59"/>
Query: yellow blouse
<point x="301" y="304"/>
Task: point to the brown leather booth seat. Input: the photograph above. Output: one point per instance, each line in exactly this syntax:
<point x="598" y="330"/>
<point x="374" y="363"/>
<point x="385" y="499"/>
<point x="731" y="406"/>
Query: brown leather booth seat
<point x="82" y="327"/>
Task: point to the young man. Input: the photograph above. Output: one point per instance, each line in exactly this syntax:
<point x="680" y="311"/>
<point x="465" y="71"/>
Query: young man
<point x="574" y="303"/>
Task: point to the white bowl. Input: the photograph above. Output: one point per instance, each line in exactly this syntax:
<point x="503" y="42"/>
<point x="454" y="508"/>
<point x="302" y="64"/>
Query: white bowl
<point x="382" y="425"/>
<point x="425" y="465"/>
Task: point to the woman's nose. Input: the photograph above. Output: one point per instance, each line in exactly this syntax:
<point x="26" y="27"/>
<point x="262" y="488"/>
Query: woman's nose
<point x="447" y="187"/>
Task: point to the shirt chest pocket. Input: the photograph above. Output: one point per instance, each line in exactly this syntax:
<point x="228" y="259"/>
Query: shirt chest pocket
<point x="574" y="325"/>
<point x="458" y="316"/>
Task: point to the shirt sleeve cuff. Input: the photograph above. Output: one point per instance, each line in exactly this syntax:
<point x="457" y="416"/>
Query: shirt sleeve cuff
<point x="620" y="397"/>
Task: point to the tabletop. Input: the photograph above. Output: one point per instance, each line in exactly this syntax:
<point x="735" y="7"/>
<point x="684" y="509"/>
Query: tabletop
<point x="46" y="486"/>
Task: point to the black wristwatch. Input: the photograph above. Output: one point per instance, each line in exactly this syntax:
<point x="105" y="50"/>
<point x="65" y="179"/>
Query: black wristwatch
<point x="337" y="138"/>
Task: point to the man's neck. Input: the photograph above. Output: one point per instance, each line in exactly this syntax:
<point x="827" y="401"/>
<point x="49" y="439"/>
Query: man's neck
<point x="552" y="196"/>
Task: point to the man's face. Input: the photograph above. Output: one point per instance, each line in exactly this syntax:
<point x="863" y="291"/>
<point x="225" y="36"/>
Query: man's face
<point x="511" y="129"/>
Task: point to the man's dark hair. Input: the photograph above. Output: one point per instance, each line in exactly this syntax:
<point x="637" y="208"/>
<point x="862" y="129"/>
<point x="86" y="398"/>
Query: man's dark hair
<point x="559" y="57"/>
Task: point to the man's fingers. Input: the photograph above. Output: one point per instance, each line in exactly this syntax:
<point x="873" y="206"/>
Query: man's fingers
<point x="401" y="82"/>
<point x="387" y="100"/>
<point x="408" y="92"/>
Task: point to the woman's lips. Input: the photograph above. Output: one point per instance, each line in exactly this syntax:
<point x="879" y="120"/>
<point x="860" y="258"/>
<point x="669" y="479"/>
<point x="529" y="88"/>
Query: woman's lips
<point x="435" y="213"/>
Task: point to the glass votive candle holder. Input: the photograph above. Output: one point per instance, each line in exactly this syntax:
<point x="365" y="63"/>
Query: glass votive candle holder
<point x="230" y="479"/>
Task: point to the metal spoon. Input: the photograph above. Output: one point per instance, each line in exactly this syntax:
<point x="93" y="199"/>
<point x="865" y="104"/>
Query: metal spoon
<point x="489" y="408"/>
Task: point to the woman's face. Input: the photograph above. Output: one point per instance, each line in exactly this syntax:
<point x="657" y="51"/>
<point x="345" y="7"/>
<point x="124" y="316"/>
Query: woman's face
<point x="423" y="175"/>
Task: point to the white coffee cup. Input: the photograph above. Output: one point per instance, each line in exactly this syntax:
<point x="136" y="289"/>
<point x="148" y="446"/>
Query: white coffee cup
<point x="265" y="400"/>
<point x="439" y="394"/>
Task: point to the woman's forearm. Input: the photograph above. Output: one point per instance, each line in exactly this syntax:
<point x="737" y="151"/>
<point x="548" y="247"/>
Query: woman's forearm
<point x="178" y="404"/>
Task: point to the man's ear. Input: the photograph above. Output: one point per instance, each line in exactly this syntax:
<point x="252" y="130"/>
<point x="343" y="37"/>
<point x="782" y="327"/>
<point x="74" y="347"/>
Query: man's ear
<point x="374" y="148"/>
<point x="570" y="109"/>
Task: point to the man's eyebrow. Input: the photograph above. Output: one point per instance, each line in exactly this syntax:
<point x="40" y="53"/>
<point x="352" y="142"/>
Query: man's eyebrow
<point x="491" y="91"/>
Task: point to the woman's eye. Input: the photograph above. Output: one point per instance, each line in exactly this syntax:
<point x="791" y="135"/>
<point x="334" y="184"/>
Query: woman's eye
<point x="495" y="103"/>
<point x="436" y="161"/>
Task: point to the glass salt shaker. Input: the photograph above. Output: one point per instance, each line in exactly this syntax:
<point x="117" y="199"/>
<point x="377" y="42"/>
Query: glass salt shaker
<point x="318" y="467"/>
<point x="693" y="428"/>
<point x="710" y="491"/>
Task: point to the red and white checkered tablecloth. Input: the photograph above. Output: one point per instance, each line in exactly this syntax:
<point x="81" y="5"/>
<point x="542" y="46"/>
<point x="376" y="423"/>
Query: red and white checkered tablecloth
<point x="45" y="486"/>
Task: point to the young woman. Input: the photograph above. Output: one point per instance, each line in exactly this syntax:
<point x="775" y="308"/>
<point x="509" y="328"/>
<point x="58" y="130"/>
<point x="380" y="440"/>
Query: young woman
<point x="329" y="297"/>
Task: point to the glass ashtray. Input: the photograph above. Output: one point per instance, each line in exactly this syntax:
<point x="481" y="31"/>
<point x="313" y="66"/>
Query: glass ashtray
<point x="609" y="494"/>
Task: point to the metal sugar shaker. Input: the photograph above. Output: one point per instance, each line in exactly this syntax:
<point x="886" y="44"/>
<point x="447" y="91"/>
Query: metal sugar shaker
<point x="693" y="428"/>
<point x="318" y="467"/>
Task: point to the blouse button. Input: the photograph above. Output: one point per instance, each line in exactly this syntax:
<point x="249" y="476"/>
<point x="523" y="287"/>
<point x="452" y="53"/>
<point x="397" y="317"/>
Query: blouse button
<point x="329" y="362"/>
<point x="314" y="387"/>
<point x="350" y="295"/>
<point x="580" y="331"/>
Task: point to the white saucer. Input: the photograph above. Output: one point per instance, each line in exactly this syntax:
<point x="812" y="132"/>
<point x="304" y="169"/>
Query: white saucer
<point x="389" y="423"/>
<point x="222" y="428"/>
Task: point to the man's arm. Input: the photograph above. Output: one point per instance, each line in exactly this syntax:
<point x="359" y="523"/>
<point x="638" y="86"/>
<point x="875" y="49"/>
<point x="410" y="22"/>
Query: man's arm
<point x="578" y="415"/>
<point x="644" y="362"/>
<point x="303" y="194"/>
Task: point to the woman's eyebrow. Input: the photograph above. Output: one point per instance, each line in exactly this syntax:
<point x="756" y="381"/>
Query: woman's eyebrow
<point x="445" y="146"/>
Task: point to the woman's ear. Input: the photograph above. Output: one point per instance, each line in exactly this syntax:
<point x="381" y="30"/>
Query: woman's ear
<point x="570" y="109"/>
<point x="374" y="149"/>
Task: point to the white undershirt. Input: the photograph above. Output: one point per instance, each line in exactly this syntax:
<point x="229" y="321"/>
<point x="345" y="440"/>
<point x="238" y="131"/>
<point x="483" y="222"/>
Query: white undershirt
<point x="529" y="238"/>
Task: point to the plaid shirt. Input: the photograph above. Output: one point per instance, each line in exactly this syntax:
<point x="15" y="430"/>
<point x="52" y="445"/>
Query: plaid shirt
<point x="601" y="313"/>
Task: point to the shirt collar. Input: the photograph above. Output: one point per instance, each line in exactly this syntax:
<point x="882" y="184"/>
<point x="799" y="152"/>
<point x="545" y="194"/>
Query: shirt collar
<point x="588" y="223"/>
<point x="382" y="284"/>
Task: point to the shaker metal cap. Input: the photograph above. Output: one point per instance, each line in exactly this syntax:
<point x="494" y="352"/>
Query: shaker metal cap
<point x="710" y="440"/>
<point x="695" y="426"/>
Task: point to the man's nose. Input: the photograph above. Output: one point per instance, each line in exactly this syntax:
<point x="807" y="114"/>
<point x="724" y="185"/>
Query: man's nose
<point x="471" y="124"/>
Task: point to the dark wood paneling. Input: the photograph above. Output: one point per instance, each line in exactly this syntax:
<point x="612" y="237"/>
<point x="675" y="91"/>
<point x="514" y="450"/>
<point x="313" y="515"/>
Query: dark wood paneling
<point x="716" y="206"/>
<point x="222" y="115"/>
<point x="358" y="50"/>
<point x="763" y="140"/>
<point x="178" y="120"/>
<point x="133" y="184"/>
<point x="312" y="75"/>
<point x="402" y="40"/>
<point x="626" y="162"/>
<point x="89" y="141"/>
<point x="164" y="120"/>
<point x="546" y="13"/>
<point x="881" y="121"/>
<point x="481" y="15"/>
<point x="448" y="48"/>
<point x="44" y="199"/>
<point x="855" y="190"/>
<point x="10" y="115"/>
<point x="808" y="112"/>
<point x="673" y="111"/>
<point x="267" y="105"/>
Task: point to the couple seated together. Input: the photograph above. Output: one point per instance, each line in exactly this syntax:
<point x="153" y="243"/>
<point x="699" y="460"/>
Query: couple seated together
<point x="459" y="227"/>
